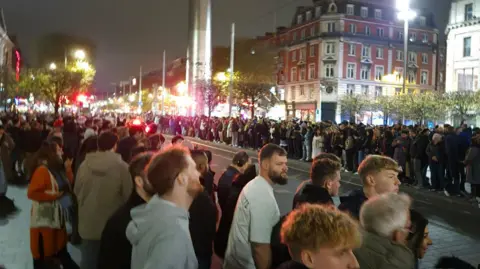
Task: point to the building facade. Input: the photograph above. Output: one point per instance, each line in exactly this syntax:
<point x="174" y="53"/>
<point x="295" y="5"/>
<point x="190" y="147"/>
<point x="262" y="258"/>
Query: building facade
<point x="463" y="50"/>
<point x="344" y="47"/>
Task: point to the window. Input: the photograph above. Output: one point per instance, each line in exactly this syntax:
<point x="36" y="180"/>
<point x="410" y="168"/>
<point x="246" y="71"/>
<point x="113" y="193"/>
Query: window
<point x="299" y="19"/>
<point x="424" y="77"/>
<point x="294" y="56"/>
<point x="350" y="89"/>
<point x="379" y="71"/>
<point x="312" y="31"/>
<point x="318" y="11"/>
<point x="468" y="12"/>
<point x="329" y="71"/>
<point x="399" y="55"/>
<point x="350" y="9"/>
<point x="292" y="92"/>
<point x="378" y="91"/>
<point x="330" y="48"/>
<point x="365" y="73"/>
<point x="467" y="46"/>
<point x="399" y="73"/>
<point x="302" y="90"/>
<point x="302" y="73"/>
<point x="424" y="58"/>
<point x="302" y="34"/>
<point x="351" y="70"/>
<point x="412" y="57"/>
<point x="303" y="53"/>
<point x="367" y="30"/>
<point x="380" y="32"/>
<point x="400" y="35"/>
<point x="424" y="38"/>
<point x="413" y="37"/>
<point x="353" y="28"/>
<point x="378" y="14"/>
<point x="331" y="27"/>
<point x="294" y="74"/>
<point x="351" y="49"/>
<point x="294" y="37"/>
<point x="311" y="71"/>
<point x="312" y="50"/>
<point x="365" y="90"/>
<point x="364" y="12"/>
<point x="398" y="91"/>
<point x="379" y="53"/>
<point x="422" y="21"/>
<point x="309" y="15"/>
<point x="366" y="51"/>
<point x="412" y="78"/>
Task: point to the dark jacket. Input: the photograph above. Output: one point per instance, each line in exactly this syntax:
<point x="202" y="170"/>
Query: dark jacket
<point x="115" y="249"/>
<point x="311" y="194"/>
<point x="203" y="222"/>
<point x="438" y="151"/>
<point x="452" y="144"/>
<point x="418" y="148"/>
<point x="352" y="202"/>
<point x="239" y="182"/>
<point x="125" y="148"/>
<point x="225" y="184"/>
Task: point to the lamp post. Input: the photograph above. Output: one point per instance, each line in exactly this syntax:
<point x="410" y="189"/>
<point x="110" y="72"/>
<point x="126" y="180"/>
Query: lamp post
<point x="405" y="14"/>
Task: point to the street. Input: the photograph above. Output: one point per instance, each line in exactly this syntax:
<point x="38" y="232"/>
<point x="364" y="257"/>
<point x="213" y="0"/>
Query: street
<point x="453" y="223"/>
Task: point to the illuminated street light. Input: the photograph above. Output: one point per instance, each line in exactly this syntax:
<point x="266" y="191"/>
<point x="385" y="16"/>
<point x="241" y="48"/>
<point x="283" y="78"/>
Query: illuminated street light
<point x="83" y="65"/>
<point x="182" y="87"/>
<point x="405" y="14"/>
<point x="134" y="81"/>
<point x="221" y="76"/>
<point x="80" y="54"/>
<point x="52" y="66"/>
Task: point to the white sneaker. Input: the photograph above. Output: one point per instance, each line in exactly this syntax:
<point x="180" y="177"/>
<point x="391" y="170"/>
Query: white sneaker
<point x="446" y="192"/>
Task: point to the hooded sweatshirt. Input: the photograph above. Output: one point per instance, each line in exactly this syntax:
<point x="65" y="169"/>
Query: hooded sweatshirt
<point x="103" y="184"/>
<point x="160" y="236"/>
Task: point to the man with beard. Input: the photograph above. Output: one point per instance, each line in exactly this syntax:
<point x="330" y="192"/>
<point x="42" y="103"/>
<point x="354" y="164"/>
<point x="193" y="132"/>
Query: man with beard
<point x="203" y="216"/>
<point x="159" y="231"/>
<point x="256" y="214"/>
<point x="115" y="249"/>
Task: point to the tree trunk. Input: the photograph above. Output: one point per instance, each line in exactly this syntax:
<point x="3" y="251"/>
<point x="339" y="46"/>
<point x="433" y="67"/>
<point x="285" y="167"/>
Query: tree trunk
<point x="252" y="107"/>
<point x="57" y="104"/>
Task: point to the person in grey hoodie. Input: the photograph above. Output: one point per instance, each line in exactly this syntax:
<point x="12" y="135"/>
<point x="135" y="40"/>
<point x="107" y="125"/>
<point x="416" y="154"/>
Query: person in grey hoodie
<point x="103" y="184"/>
<point x="159" y="230"/>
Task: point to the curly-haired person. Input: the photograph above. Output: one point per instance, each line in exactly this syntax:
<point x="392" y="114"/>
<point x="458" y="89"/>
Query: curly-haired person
<point x="320" y="237"/>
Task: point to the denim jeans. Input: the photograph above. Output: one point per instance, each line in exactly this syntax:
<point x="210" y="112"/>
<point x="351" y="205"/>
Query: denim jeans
<point x="437" y="171"/>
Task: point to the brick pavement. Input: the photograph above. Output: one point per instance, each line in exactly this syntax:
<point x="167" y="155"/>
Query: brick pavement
<point x="15" y="250"/>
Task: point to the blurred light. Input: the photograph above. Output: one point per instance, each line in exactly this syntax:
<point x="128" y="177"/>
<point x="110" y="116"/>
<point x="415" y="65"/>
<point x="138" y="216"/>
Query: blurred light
<point x="81" y="98"/>
<point x="137" y="122"/>
<point x="182" y="87"/>
<point x="403" y="5"/>
<point x="83" y="65"/>
<point x="80" y="54"/>
<point x="52" y="66"/>
<point x="150" y="96"/>
<point x="134" y="81"/>
<point x="407" y="15"/>
<point x="147" y="129"/>
<point x="131" y="98"/>
<point x="221" y="76"/>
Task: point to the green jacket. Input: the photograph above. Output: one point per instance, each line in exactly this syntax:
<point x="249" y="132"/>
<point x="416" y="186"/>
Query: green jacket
<point x="379" y="252"/>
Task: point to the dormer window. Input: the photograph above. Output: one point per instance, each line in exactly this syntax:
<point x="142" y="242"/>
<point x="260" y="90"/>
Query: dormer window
<point x="332" y="8"/>
<point x="309" y="15"/>
<point x="378" y="14"/>
<point x="350" y="9"/>
<point x="422" y="21"/>
<point x="364" y="12"/>
<point x="299" y="19"/>
<point x="318" y="11"/>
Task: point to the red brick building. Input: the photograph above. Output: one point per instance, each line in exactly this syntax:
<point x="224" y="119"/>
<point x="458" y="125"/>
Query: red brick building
<point x="339" y="47"/>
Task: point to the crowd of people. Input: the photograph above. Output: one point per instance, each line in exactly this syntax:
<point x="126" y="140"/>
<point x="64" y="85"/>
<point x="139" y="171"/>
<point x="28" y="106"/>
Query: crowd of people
<point x="451" y="154"/>
<point x="128" y="199"/>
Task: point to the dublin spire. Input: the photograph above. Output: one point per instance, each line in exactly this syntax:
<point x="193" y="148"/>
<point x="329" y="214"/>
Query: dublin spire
<point x="199" y="52"/>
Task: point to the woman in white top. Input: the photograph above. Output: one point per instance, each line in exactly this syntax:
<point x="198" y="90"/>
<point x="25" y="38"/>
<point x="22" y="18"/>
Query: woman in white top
<point x="317" y="144"/>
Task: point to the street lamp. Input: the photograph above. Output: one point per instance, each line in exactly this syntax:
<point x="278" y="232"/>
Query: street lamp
<point x="52" y="66"/>
<point x="80" y="54"/>
<point x="405" y="14"/>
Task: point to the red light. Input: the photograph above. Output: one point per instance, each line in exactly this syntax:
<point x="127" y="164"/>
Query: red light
<point x="81" y="98"/>
<point x="147" y="129"/>
<point x="137" y="122"/>
<point x="17" y="66"/>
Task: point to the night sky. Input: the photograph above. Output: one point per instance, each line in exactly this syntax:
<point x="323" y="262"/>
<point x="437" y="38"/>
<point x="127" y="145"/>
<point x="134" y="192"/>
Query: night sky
<point x="135" y="32"/>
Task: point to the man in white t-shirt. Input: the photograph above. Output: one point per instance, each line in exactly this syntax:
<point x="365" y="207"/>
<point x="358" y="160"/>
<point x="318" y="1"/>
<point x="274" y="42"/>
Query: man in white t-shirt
<point x="256" y="214"/>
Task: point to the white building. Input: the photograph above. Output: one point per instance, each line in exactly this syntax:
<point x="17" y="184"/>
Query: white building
<point x="463" y="46"/>
<point x="6" y="45"/>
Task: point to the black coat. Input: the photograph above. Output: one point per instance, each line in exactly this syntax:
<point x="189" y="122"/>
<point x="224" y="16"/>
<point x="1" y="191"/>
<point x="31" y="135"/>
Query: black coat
<point x="225" y="184"/>
<point x="352" y="203"/>
<point x="115" y="249"/>
<point x="203" y="222"/>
